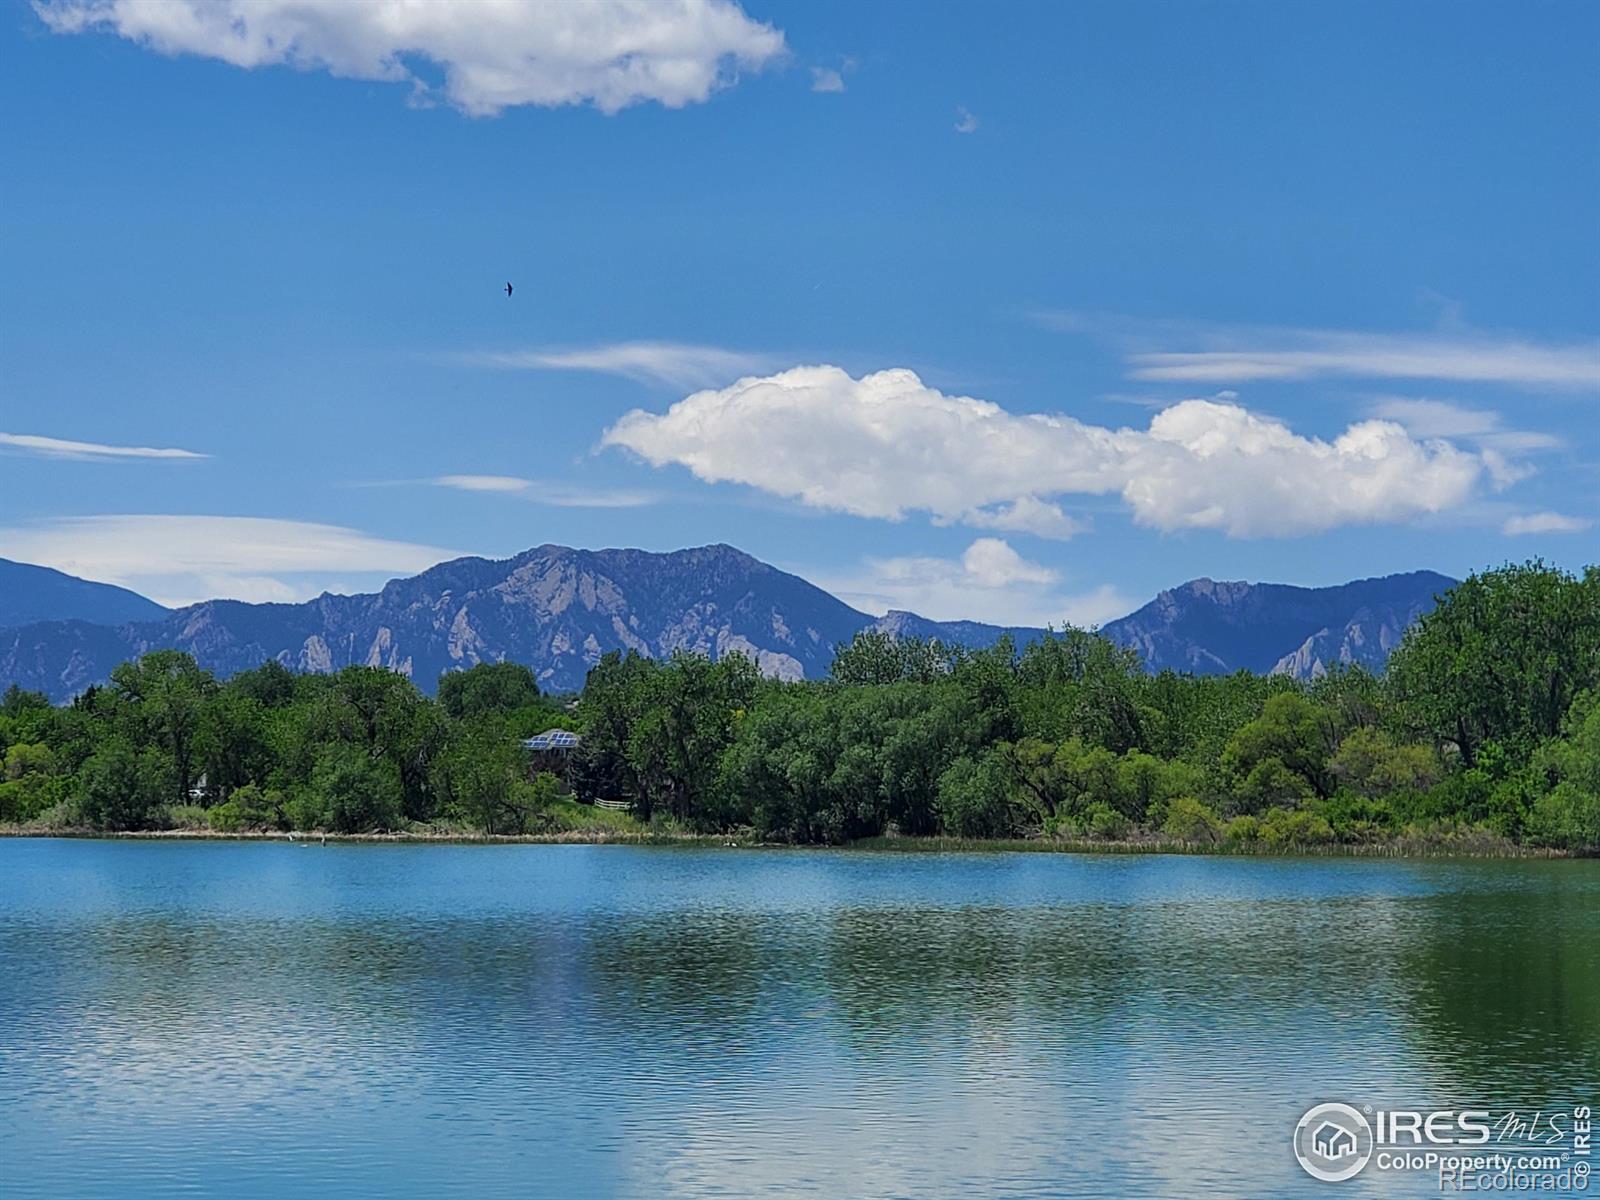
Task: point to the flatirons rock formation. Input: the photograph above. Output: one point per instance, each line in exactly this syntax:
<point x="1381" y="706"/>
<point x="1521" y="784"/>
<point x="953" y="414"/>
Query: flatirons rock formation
<point x="1211" y="628"/>
<point x="559" y="609"/>
<point x="555" y="608"/>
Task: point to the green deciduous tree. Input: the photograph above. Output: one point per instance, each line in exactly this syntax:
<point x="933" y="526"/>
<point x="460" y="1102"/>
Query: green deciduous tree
<point x="113" y="792"/>
<point x="164" y="696"/>
<point x="975" y="799"/>
<point x="1371" y="763"/>
<point x="500" y="688"/>
<point x="779" y="773"/>
<point x="1283" y="752"/>
<point x="382" y="713"/>
<point x="1078" y="684"/>
<point x="1285" y="827"/>
<point x="482" y="777"/>
<point x="353" y="792"/>
<point x="613" y="700"/>
<point x="1501" y="658"/>
<point x="1188" y="820"/>
<point x="234" y="740"/>
<point x="1568" y="814"/>
<point x="271" y="685"/>
<point x="690" y="711"/>
<point x="249" y="807"/>
<point x="874" y="657"/>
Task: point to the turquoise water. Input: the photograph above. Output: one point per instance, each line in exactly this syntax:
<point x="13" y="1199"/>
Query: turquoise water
<point x="243" y="1020"/>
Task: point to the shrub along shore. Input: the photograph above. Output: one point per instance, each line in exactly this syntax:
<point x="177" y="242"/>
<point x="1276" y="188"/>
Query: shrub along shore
<point x="1399" y="847"/>
<point x="1481" y="737"/>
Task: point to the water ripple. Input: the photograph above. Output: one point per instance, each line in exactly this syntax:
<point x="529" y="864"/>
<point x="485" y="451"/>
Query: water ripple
<point x="243" y="1020"/>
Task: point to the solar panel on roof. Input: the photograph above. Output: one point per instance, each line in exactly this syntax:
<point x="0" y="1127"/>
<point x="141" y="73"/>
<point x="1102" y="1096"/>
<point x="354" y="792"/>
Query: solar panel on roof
<point x="554" y="739"/>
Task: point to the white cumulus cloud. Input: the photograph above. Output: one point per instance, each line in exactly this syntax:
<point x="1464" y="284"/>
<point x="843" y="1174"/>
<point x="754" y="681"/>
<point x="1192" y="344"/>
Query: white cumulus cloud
<point x="826" y="79"/>
<point x="1210" y="465"/>
<point x="887" y="445"/>
<point x="989" y="581"/>
<point x="493" y="54"/>
<point x="1026" y="514"/>
<point x="178" y="560"/>
<point x="50" y="447"/>
<point x="991" y="562"/>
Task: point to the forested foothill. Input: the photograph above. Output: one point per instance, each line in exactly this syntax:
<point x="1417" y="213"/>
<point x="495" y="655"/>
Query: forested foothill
<point x="1483" y="733"/>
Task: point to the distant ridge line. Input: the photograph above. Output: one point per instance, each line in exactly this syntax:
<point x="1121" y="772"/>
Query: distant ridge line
<point x="558" y="609"/>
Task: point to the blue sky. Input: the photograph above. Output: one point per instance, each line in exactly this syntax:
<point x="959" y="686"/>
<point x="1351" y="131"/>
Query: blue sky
<point x="1018" y="312"/>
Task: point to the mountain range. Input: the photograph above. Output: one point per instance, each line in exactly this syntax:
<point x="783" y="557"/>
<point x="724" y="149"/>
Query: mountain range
<point x="29" y="593"/>
<point x="559" y="609"/>
<point x="1216" y="628"/>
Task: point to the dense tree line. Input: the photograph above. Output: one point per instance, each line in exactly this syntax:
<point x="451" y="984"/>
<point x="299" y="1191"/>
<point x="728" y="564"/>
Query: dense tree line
<point x="1486" y="723"/>
<point x="362" y="749"/>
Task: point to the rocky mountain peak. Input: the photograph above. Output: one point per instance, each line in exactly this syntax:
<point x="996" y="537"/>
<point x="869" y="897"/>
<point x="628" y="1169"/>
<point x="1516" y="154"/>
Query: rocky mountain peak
<point x="559" y="609"/>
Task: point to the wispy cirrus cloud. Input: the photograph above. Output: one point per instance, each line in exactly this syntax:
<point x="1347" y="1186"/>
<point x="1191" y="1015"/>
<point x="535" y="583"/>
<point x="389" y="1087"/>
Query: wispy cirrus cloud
<point x="1544" y="522"/>
<point x="1438" y="418"/>
<point x="51" y="447"/>
<point x="1382" y="356"/>
<point x="178" y="560"/>
<point x="1193" y="352"/>
<point x="1504" y="449"/>
<point x="493" y="55"/>
<point x="678" y="364"/>
<point x="484" y="483"/>
<point x="542" y="491"/>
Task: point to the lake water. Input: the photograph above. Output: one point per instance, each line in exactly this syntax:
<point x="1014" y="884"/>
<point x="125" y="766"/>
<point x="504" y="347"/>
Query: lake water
<point x="243" y="1020"/>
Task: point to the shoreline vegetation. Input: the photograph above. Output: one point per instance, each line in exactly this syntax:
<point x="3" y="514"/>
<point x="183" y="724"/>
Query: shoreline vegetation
<point x="1481" y="738"/>
<point x="1464" y="847"/>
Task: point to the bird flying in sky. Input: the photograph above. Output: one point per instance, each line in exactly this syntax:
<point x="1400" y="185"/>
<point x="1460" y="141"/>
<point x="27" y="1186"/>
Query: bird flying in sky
<point x="508" y="290"/>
